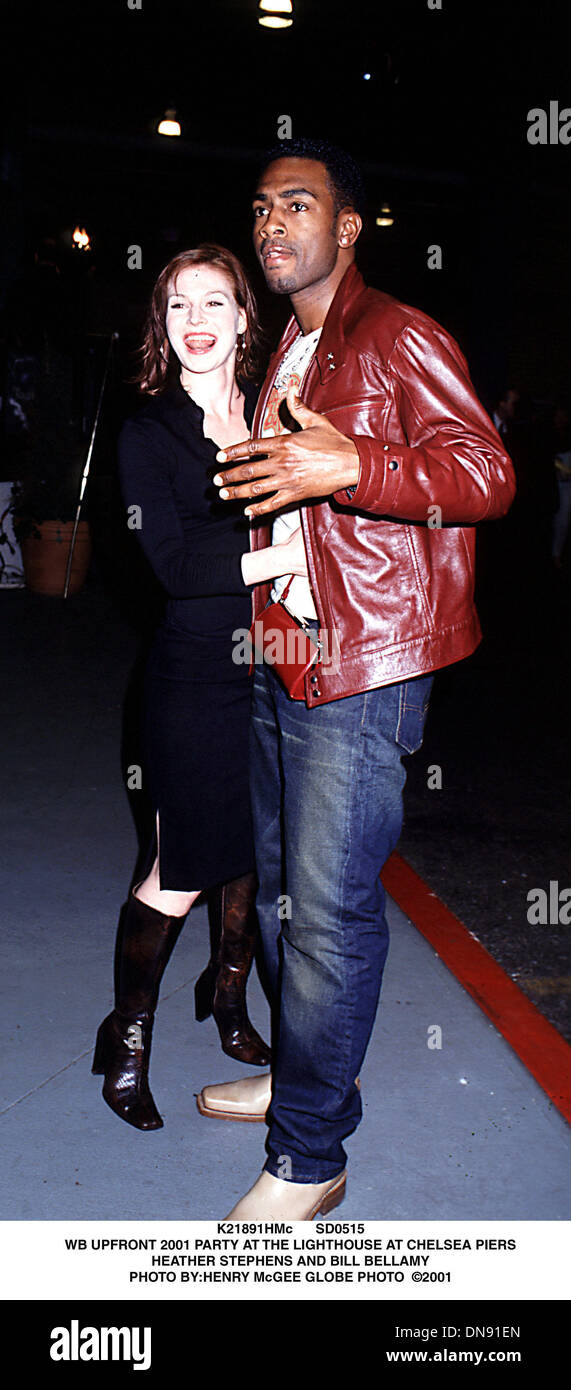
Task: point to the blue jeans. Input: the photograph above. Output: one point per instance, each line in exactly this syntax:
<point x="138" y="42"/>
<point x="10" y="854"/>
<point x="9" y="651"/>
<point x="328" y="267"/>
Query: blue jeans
<point x="327" y="804"/>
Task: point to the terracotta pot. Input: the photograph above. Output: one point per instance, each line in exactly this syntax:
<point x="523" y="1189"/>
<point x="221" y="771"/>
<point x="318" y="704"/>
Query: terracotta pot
<point x="45" y="557"/>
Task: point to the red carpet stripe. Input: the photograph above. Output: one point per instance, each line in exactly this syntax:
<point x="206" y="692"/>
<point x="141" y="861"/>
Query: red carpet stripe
<point x="537" y="1043"/>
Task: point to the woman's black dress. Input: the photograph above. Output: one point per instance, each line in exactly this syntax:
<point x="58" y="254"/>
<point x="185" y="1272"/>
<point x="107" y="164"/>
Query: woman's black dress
<point x="197" y="699"/>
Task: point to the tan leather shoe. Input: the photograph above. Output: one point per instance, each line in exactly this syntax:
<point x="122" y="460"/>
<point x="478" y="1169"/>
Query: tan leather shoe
<point x="247" y="1099"/>
<point x="240" y="1100"/>
<point x="272" y="1199"/>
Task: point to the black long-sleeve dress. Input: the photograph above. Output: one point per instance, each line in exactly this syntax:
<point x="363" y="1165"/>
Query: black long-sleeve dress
<point x="197" y="699"/>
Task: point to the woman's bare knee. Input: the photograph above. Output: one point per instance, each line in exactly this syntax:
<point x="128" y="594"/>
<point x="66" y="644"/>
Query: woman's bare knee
<point x="167" y="900"/>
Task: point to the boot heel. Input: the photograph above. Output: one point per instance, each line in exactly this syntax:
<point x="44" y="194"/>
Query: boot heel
<point x="100" y="1055"/>
<point x="333" y="1198"/>
<point x="204" y="990"/>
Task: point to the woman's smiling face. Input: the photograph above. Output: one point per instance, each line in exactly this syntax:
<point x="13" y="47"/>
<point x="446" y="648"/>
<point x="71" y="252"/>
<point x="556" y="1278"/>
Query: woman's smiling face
<point x="203" y="319"/>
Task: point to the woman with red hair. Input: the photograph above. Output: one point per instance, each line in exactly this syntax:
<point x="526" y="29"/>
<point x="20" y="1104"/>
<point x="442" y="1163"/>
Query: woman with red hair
<point x="199" y="362"/>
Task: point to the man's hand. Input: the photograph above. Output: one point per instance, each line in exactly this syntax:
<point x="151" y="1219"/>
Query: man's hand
<point x="313" y="462"/>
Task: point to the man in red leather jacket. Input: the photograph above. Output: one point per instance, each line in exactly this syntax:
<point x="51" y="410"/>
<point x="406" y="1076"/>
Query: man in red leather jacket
<point x="390" y="462"/>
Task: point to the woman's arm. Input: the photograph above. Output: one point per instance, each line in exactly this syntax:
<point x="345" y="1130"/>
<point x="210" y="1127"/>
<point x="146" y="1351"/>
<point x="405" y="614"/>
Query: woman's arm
<point x="275" y="560"/>
<point x="184" y="572"/>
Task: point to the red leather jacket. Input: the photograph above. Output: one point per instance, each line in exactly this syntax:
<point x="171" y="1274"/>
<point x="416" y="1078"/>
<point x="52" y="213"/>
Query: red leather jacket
<point x="394" y="584"/>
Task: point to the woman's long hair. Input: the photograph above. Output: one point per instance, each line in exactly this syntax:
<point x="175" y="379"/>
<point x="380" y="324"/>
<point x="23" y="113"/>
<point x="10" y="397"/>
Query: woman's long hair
<point x="159" y="365"/>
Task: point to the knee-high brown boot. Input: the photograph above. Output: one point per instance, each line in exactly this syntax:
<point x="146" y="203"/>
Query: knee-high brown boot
<point x="221" y="989"/>
<point x="145" y="943"/>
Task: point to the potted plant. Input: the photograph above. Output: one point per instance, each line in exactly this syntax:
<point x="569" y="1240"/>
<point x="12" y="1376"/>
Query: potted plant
<point x="44" y="500"/>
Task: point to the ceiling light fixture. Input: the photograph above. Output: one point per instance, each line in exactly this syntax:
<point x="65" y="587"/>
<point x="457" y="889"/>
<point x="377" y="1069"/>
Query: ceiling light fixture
<point x="276" y="14"/>
<point x="386" y="218"/>
<point x="80" y="239"/>
<point x="169" y="125"/>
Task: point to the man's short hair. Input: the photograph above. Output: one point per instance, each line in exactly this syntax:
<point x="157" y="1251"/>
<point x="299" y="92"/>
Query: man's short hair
<point x="343" y="174"/>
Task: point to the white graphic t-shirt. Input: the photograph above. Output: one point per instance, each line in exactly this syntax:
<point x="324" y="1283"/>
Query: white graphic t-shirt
<point x="292" y="368"/>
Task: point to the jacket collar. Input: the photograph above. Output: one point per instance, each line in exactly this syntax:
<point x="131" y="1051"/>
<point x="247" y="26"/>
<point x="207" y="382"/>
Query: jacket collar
<point x="330" y="351"/>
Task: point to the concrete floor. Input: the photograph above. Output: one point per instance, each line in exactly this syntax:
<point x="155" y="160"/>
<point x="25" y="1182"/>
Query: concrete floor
<point x="457" y="1132"/>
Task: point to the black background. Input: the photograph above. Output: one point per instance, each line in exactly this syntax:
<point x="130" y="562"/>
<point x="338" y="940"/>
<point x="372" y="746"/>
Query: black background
<point x="440" y="130"/>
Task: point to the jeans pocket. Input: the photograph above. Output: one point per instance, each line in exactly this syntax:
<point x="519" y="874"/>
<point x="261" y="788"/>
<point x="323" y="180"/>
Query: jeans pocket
<point x="413" y="707"/>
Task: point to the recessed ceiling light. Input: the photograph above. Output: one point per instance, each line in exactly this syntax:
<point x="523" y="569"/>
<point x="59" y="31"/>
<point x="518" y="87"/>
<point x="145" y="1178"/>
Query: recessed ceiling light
<point x="169" y="125"/>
